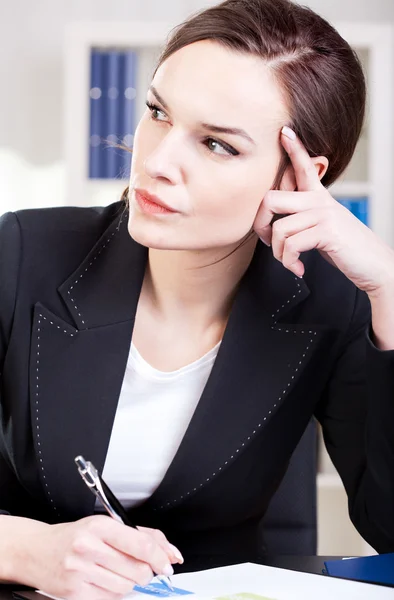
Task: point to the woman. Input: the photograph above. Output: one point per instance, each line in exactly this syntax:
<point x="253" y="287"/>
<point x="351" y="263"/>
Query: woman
<point x="176" y="351"/>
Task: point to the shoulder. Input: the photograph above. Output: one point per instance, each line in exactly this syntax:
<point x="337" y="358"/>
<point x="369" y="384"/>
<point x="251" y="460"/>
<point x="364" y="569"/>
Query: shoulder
<point x="71" y="219"/>
<point x="42" y="233"/>
<point x="43" y="246"/>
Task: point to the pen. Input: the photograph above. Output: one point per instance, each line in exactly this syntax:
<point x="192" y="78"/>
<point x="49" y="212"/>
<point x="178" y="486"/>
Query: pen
<point x="109" y="501"/>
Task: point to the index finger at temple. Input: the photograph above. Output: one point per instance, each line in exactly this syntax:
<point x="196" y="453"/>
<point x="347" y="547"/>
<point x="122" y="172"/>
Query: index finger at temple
<point x="304" y="169"/>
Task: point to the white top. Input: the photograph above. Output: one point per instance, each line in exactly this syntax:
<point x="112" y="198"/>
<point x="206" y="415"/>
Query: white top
<point x="153" y="413"/>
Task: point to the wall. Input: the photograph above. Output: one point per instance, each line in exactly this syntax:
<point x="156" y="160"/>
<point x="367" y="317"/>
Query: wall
<point x="334" y="10"/>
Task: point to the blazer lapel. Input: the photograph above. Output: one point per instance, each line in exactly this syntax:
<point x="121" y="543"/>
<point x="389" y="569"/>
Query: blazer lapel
<point x="77" y="369"/>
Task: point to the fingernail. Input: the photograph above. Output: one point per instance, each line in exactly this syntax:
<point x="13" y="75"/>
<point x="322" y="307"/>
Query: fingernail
<point x="264" y="242"/>
<point x="176" y="553"/>
<point x="167" y="571"/>
<point x="288" y="132"/>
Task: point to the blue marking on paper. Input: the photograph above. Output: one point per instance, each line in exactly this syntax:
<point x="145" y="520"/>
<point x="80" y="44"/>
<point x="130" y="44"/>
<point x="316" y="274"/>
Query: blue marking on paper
<point x="159" y="590"/>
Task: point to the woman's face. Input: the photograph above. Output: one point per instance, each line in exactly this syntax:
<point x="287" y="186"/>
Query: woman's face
<point x="213" y="179"/>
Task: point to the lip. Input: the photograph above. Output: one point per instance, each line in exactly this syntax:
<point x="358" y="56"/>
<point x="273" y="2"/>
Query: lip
<point x="151" y="203"/>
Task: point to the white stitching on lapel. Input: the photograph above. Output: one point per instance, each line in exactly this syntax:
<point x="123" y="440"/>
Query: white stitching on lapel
<point x="41" y="316"/>
<point x="90" y="264"/>
<point x="275" y="315"/>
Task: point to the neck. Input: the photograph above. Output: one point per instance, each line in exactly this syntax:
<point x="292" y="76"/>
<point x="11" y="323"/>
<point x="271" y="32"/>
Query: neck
<point x="195" y="286"/>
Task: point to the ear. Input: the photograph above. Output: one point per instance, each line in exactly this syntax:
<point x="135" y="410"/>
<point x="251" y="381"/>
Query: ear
<point x="321" y="165"/>
<point x="289" y="182"/>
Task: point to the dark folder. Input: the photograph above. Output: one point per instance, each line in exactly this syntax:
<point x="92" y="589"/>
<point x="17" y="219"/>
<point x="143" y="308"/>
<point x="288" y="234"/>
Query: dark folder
<point x="370" y="569"/>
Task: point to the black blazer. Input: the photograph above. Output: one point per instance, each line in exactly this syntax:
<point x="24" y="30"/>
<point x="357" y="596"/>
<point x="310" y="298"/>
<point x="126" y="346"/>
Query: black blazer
<point x="70" y="280"/>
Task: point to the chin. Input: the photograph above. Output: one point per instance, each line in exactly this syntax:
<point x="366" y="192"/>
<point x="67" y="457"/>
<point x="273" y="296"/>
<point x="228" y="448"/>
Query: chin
<point x="146" y="237"/>
<point x="161" y="236"/>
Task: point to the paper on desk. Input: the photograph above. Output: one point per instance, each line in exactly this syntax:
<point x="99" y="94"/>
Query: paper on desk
<point x="248" y="580"/>
<point x="232" y="583"/>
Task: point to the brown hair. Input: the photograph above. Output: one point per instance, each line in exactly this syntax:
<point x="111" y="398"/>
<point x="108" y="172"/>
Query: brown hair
<point x="318" y="72"/>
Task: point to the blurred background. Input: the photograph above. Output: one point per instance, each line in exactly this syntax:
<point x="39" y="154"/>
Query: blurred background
<point x="62" y="65"/>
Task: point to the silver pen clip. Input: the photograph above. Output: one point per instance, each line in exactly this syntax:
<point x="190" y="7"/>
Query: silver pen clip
<point x="91" y="477"/>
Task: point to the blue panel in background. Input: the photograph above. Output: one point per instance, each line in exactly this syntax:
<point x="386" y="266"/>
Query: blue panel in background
<point x="113" y="80"/>
<point x="128" y="118"/>
<point x="358" y="206"/>
<point x="97" y="117"/>
<point x="113" y="122"/>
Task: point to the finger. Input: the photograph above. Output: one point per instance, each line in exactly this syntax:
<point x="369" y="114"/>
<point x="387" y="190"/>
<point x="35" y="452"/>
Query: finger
<point x="89" y="591"/>
<point x="295" y="245"/>
<point x="115" y="583"/>
<point x="120" y="563"/>
<point x="176" y="555"/>
<point x="93" y="551"/>
<point x="289" y="226"/>
<point x="305" y="171"/>
<point x="139" y="545"/>
<point x="277" y="202"/>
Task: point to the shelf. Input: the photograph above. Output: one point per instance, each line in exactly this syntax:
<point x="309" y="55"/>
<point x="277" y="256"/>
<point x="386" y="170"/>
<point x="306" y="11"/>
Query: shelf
<point x="351" y="189"/>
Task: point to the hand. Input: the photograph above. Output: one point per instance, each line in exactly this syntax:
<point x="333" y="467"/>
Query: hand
<point x="314" y="219"/>
<point x="95" y="558"/>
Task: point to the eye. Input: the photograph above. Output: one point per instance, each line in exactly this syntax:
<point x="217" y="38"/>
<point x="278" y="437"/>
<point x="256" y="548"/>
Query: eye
<point x="228" y="150"/>
<point x="153" y="107"/>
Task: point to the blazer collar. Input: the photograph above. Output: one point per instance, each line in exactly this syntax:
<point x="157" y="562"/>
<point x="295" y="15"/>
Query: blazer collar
<point x="104" y="288"/>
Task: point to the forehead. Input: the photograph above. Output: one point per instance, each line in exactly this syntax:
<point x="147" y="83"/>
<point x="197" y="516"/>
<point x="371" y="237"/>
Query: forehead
<point x="206" y="81"/>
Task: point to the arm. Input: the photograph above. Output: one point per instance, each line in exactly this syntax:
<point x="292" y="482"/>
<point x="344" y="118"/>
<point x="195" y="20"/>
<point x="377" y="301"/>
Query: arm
<point x="10" y="243"/>
<point x="10" y="527"/>
<point x="357" y="416"/>
<point x="383" y="317"/>
<point x="10" y="250"/>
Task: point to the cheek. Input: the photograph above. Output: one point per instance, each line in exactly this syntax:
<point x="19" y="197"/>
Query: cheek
<point x="229" y="204"/>
<point x="222" y="217"/>
<point x="236" y="207"/>
<point x="236" y="195"/>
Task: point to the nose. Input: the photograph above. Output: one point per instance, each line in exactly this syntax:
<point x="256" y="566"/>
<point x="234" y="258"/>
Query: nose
<point x="165" y="160"/>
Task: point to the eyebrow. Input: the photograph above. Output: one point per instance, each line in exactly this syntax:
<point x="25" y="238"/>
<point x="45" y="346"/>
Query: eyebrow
<point x="215" y="128"/>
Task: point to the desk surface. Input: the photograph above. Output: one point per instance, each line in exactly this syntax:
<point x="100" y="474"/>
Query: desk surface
<point x="308" y="564"/>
